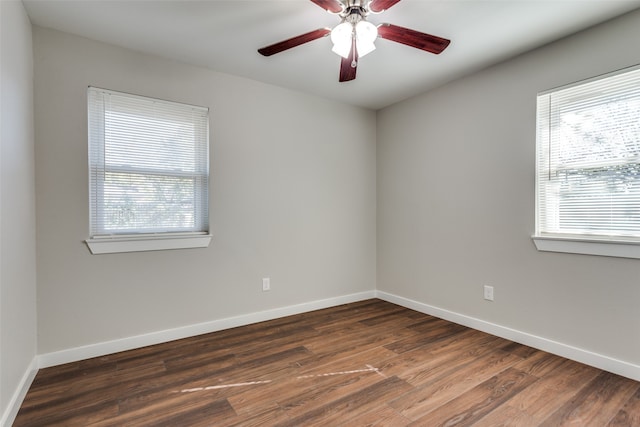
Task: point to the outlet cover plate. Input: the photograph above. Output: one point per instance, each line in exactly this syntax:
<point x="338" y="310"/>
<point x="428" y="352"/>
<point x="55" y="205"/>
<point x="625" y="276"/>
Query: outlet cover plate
<point x="488" y="293"/>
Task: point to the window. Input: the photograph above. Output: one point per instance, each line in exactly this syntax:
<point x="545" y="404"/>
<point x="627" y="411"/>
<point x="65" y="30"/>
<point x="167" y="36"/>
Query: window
<point x="588" y="166"/>
<point x="148" y="173"/>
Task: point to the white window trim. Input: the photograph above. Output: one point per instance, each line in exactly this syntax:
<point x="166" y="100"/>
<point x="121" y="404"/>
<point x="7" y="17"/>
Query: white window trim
<point x="153" y="241"/>
<point x="571" y="245"/>
<point x="580" y="244"/>
<point x="110" y="245"/>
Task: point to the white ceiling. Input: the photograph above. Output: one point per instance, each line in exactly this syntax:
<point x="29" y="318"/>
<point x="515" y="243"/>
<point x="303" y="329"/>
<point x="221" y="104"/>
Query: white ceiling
<point x="224" y="36"/>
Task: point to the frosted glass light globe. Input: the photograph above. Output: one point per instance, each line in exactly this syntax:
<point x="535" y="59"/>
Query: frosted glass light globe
<point x="342" y="38"/>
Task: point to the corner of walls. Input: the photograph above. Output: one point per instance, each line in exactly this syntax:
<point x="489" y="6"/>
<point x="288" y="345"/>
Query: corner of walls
<point x="291" y="202"/>
<point x="13" y="406"/>
<point x="590" y="358"/>
<point x="456" y="208"/>
<point x="18" y="330"/>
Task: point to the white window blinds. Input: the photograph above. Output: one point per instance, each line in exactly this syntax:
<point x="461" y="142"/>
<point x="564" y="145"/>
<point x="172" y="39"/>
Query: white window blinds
<point x="148" y="165"/>
<point x="588" y="159"/>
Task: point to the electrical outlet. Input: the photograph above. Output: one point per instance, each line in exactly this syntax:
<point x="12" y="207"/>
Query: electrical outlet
<point x="266" y="284"/>
<point x="488" y="293"/>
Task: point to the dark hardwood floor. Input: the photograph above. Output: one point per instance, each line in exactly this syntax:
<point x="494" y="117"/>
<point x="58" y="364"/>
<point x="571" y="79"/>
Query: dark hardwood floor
<point x="370" y="363"/>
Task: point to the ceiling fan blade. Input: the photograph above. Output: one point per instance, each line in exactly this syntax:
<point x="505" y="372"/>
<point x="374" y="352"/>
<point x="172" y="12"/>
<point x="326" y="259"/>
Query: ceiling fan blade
<point x="380" y="5"/>
<point x="413" y="38"/>
<point x="330" y="5"/>
<point x="294" y="41"/>
<point x="347" y="72"/>
<point x="349" y="66"/>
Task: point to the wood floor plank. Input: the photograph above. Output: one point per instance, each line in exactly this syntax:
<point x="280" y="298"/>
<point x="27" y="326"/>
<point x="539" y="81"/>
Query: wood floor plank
<point x="553" y="389"/>
<point x="351" y="406"/>
<point x="520" y="350"/>
<point x="260" y="419"/>
<point x="468" y="341"/>
<point x="355" y="336"/>
<point x="597" y="403"/>
<point x="226" y="380"/>
<point x="451" y="384"/>
<point x="374" y="357"/>
<point x="71" y="416"/>
<point x="89" y="393"/>
<point x="506" y="416"/>
<point x="290" y="339"/>
<point x="423" y="365"/>
<point x="329" y="320"/>
<point x="204" y="360"/>
<point x="370" y="363"/>
<point x="629" y="415"/>
<point x="321" y="391"/>
<point x="194" y="412"/>
<point x="474" y="404"/>
<point x="428" y="324"/>
<point x="395" y="315"/>
<point x="538" y="363"/>
<point x="441" y="331"/>
<point x="381" y="416"/>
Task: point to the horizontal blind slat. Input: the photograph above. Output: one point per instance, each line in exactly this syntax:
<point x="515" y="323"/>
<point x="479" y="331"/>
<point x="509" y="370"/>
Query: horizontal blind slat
<point x="148" y="165"/>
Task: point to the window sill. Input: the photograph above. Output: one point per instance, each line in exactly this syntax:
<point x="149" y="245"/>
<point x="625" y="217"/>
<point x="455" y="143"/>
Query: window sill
<point x="572" y="245"/>
<point x="108" y="245"/>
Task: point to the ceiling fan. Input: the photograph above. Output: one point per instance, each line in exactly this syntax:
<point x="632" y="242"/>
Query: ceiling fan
<point x="354" y="37"/>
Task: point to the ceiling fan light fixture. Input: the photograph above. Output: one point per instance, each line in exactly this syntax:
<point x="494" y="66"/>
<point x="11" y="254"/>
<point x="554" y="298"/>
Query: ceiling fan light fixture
<point x="342" y="37"/>
<point x="354" y="36"/>
<point x="366" y="34"/>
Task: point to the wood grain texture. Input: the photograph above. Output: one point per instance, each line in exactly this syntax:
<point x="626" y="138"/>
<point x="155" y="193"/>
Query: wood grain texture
<point x="294" y="42"/>
<point x="413" y="38"/>
<point x="381" y="5"/>
<point x="349" y="65"/>
<point x="369" y="363"/>
<point x="629" y="415"/>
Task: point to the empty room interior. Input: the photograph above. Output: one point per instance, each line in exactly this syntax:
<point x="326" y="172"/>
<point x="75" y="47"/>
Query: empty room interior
<point x="207" y="220"/>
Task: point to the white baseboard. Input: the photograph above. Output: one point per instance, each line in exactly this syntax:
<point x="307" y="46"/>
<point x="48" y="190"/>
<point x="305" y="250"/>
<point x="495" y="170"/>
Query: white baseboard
<point x="9" y="415"/>
<point x="596" y="360"/>
<point x="129" y="343"/>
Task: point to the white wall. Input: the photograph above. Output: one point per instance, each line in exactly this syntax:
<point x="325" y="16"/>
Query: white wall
<point x="456" y="203"/>
<point x="17" y="207"/>
<point x="292" y="197"/>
